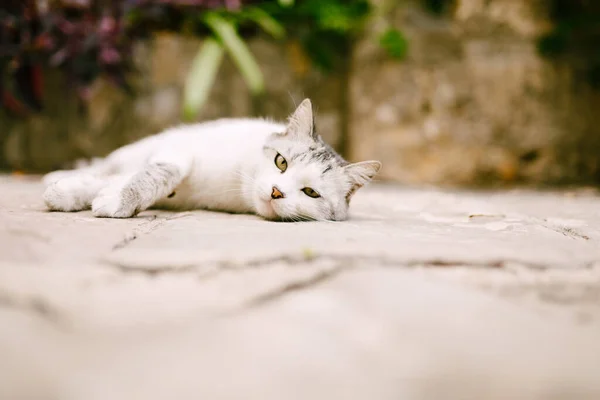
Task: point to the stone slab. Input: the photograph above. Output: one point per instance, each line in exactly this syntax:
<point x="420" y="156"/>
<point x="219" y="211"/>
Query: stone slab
<point x="422" y="294"/>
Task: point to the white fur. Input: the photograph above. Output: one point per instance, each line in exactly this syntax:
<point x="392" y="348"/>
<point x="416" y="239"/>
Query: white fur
<point x="225" y="165"/>
<point x="73" y="192"/>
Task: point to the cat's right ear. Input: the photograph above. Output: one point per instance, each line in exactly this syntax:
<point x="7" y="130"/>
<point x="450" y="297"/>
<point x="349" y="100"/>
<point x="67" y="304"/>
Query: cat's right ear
<point x="301" y="124"/>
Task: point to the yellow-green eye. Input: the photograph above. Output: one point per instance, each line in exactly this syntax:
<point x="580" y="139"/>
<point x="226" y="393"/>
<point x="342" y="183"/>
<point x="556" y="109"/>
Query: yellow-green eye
<point x="280" y="162"/>
<point x="310" y="193"/>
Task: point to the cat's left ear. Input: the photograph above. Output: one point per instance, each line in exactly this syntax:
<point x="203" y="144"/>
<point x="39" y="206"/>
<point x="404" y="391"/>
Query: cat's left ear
<point x="302" y="123"/>
<point x="360" y="174"/>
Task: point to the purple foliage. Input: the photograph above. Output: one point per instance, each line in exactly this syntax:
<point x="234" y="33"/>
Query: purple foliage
<point x="85" y="38"/>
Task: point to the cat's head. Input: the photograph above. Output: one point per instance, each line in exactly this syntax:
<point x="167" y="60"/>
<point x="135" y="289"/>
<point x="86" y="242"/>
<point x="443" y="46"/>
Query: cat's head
<point x="301" y="177"/>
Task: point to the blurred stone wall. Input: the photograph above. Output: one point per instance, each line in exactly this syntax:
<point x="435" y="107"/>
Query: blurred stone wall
<point x="473" y="103"/>
<point x="64" y="132"/>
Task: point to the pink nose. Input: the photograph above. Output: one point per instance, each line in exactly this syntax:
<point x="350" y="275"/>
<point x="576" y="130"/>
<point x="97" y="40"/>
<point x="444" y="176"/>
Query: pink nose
<point x="276" y="194"/>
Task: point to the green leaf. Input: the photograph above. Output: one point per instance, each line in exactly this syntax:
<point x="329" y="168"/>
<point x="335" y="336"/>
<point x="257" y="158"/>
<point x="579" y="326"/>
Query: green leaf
<point x="237" y="49"/>
<point x="337" y="15"/>
<point x="394" y="42"/>
<point x="201" y="77"/>
<point x="334" y="16"/>
<point x="286" y="3"/>
<point x="266" y="22"/>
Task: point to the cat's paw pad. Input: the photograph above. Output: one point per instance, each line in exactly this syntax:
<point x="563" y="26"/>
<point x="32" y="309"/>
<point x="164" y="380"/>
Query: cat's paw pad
<point x="66" y="195"/>
<point x="111" y="204"/>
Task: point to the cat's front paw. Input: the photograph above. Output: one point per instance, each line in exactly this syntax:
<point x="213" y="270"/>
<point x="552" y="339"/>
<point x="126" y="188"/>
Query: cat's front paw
<point x="111" y="204"/>
<point x="70" y="194"/>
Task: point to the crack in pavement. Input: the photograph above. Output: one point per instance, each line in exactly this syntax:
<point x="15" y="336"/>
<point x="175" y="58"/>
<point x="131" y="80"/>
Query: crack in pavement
<point x="152" y="223"/>
<point x="153" y="272"/>
<point x="301" y="259"/>
<point x="564" y="230"/>
<point x="34" y="305"/>
<point x="296" y="286"/>
<point x="567" y="231"/>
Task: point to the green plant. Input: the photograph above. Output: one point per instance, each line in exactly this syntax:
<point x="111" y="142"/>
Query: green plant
<point x="226" y="39"/>
<point x="82" y="38"/>
<point x="91" y="38"/>
<point x="325" y="29"/>
<point x="322" y="26"/>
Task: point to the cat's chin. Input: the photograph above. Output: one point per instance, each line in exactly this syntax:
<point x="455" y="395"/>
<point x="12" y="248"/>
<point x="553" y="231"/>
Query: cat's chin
<point x="265" y="209"/>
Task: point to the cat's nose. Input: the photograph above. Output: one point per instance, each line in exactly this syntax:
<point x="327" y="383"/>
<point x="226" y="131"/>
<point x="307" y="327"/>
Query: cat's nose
<point x="276" y="193"/>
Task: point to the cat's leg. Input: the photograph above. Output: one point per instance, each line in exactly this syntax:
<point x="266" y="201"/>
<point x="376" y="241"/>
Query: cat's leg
<point x="55" y="176"/>
<point x="155" y="181"/>
<point x="73" y="193"/>
<point x="96" y="167"/>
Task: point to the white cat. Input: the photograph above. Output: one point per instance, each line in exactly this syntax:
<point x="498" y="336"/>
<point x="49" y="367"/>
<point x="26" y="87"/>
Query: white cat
<point x="278" y="171"/>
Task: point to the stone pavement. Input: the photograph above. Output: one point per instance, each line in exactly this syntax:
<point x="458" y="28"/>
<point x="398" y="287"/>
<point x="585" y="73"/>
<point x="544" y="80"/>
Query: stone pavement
<point x="423" y="294"/>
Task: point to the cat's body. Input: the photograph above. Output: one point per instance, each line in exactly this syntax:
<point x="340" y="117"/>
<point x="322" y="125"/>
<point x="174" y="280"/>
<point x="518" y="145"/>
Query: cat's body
<point x="257" y="166"/>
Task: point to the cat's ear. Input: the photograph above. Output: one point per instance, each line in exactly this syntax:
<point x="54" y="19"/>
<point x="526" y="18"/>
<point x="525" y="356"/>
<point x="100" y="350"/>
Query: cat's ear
<point x="360" y="174"/>
<point x="302" y="123"/>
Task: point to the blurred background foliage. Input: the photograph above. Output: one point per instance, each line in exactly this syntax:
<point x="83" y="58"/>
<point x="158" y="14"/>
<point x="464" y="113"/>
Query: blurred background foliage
<point x="576" y="36"/>
<point x="487" y="91"/>
<point x="91" y="38"/>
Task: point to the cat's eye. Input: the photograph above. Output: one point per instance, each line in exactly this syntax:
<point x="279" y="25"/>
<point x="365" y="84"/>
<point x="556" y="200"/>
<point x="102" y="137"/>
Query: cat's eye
<point x="280" y="162"/>
<point x="311" y="193"/>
